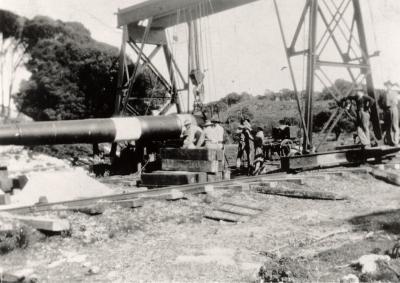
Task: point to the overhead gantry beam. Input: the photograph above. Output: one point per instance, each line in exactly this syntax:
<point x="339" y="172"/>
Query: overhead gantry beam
<point x="167" y="13"/>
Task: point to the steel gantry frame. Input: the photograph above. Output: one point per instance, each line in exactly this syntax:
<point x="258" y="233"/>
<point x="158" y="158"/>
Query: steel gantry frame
<point x="328" y="28"/>
<point x="146" y="24"/>
<point x="329" y="24"/>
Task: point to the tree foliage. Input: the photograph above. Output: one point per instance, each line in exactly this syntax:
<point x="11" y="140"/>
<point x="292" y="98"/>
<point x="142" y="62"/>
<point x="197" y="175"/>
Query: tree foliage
<point x="10" y="24"/>
<point x="11" y="54"/>
<point x="73" y="76"/>
<point x="340" y="85"/>
<point x="344" y="124"/>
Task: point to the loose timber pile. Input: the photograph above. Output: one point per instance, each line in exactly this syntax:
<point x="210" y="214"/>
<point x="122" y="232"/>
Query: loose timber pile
<point x="187" y="166"/>
<point x="9" y="185"/>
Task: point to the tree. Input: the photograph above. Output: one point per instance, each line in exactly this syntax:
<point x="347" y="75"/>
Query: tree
<point x="344" y="123"/>
<point x="286" y="94"/>
<point x="232" y="98"/>
<point x="12" y="53"/>
<point x="73" y="76"/>
<point x="340" y="85"/>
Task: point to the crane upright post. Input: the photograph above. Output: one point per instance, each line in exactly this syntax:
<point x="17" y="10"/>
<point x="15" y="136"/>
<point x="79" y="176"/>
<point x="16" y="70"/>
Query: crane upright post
<point x="328" y="30"/>
<point x="311" y="60"/>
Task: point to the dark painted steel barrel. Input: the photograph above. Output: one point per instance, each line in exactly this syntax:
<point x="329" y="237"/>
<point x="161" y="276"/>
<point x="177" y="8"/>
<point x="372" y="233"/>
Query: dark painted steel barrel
<point x="95" y="130"/>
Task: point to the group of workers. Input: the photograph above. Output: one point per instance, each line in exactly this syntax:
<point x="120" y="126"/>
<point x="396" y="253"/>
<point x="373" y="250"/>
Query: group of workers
<point x="245" y="139"/>
<point x="363" y="105"/>
<point x="211" y="135"/>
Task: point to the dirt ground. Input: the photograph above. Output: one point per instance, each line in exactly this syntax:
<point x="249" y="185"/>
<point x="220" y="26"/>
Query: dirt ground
<point x="171" y="241"/>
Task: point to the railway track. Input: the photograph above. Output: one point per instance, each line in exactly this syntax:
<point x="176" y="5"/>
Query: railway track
<point x="165" y="192"/>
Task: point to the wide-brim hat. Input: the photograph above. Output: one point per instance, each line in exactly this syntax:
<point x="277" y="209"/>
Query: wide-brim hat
<point x="392" y="86"/>
<point x="389" y="84"/>
<point x="207" y="123"/>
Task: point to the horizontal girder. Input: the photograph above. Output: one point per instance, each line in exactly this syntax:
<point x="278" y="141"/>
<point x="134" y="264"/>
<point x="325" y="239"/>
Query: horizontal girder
<point x="166" y="13"/>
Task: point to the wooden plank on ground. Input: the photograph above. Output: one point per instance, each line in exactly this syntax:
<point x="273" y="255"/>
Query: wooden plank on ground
<point x="237" y="209"/>
<point x="6" y="184"/>
<point x="234" y="187"/>
<point x="206" y="154"/>
<point x="393" y="166"/>
<point x="214" y="177"/>
<point x="191" y="165"/>
<point x="224" y="216"/>
<point x="172" y="178"/>
<point x="4" y="198"/>
<point x="318" y="176"/>
<point x="130" y="203"/>
<point x="389" y="177"/>
<point x="296" y="180"/>
<point x="175" y="195"/>
<point x="24" y="275"/>
<point x="245" y="204"/>
<point x="3" y="172"/>
<point x="44" y="223"/>
<point x="296" y="193"/>
<point x="94" y="209"/>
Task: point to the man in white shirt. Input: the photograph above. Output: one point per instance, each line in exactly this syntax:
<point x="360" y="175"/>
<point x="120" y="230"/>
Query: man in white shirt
<point x="192" y="135"/>
<point x="391" y="114"/>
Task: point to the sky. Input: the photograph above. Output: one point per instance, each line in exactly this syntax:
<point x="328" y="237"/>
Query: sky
<point x="244" y="50"/>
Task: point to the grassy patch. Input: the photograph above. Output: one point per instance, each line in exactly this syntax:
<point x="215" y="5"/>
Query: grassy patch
<point x="388" y="221"/>
<point x="283" y="269"/>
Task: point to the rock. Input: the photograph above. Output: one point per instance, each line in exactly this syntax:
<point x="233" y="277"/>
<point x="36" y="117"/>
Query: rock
<point x="62" y="214"/>
<point x="23" y="275"/>
<point x="93" y="270"/>
<point x="94" y="209"/>
<point x="368" y="263"/>
<point x="86" y="264"/>
<point x="349" y="278"/>
<point x="32" y="278"/>
<point x="370" y="235"/>
<point x="43" y="200"/>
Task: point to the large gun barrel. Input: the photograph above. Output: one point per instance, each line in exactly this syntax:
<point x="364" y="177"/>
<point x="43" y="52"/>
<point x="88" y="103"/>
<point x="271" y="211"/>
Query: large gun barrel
<point x="95" y="130"/>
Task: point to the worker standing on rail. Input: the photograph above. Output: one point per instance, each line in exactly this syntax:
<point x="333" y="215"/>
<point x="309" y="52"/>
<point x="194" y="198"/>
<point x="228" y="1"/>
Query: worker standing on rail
<point x="391" y="114"/>
<point x="193" y="135"/>
<point x="219" y="132"/>
<point x="363" y="105"/>
<point x="245" y="137"/>
<point x="258" y="150"/>
<point x="210" y="135"/>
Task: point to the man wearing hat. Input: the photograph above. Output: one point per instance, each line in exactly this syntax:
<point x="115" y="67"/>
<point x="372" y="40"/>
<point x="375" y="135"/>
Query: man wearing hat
<point x="363" y="105"/>
<point x="219" y="131"/>
<point x="244" y="131"/>
<point x="210" y="135"/>
<point x="258" y="150"/>
<point x="192" y="135"/>
<point x="391" y="114"/>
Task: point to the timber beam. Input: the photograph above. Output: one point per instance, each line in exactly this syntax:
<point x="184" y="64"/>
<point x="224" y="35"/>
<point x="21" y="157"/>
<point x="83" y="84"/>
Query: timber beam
<point x="336" y="158"/>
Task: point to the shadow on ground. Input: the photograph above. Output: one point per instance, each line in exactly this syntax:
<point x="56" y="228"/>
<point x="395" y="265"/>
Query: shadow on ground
<point x="388" y="221"/>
